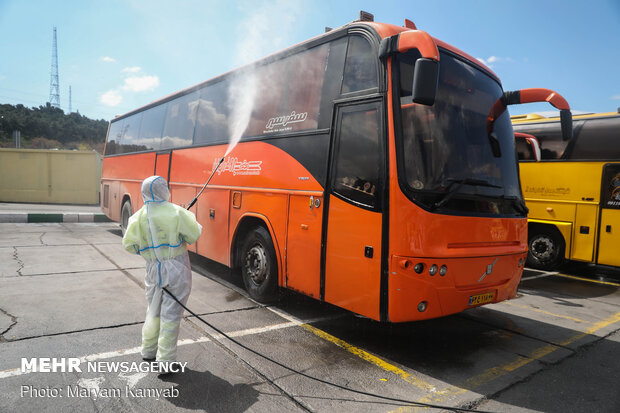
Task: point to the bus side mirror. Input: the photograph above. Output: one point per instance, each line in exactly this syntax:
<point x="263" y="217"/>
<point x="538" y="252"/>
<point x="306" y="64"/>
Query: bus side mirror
<point x="544" y="95"/>
<point x="425" y="80"/>
<point x="566" y="122"/>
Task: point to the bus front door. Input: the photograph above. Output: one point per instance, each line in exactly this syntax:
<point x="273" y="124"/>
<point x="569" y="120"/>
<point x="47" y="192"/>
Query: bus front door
<point x="609" y="228"/>
<point x="352" y="267"/>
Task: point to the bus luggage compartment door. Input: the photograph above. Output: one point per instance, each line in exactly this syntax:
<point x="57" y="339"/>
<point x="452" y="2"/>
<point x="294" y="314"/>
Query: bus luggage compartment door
<point x="609" y="228"/>
<point x="303" y="256"/>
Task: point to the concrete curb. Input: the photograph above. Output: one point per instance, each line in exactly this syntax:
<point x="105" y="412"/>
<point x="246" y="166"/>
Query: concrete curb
<point x="80" y="217"/>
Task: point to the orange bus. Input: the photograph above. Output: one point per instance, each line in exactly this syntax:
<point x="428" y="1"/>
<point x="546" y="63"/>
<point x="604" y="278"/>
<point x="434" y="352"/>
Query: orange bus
<point x="369" y="173"/>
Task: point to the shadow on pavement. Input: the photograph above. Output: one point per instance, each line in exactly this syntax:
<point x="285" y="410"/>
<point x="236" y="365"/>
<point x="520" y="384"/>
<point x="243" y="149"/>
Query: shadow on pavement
<point x="201" y="390"/>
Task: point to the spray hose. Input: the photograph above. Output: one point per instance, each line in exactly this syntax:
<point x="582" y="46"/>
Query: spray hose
<point x="191" y="204"/>
<point x="329" y="383"/>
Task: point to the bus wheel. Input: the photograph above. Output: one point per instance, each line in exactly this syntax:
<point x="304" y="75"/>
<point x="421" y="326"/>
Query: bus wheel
<point x="126" y="212"/>
<point x="259" y="266"/>
<point x="546" y="249"/>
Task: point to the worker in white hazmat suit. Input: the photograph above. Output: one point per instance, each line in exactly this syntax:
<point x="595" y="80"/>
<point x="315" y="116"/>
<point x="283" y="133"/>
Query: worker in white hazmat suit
<point x="160" y="232"/>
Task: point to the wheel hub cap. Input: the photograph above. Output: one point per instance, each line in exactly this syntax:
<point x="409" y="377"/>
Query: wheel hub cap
<point x="542" y="248"/>
<point x="256" y="264"/>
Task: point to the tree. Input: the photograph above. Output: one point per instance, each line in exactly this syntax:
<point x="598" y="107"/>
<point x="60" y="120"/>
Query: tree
<point x="48" y="126"/>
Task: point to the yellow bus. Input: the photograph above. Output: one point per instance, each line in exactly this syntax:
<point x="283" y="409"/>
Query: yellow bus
<point x="573" y="192"/>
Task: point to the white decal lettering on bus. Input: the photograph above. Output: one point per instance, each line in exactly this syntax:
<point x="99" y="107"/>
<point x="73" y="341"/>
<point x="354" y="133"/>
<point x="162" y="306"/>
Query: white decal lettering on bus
<point x="286" y="119"/>
<point x="236" y="167"/>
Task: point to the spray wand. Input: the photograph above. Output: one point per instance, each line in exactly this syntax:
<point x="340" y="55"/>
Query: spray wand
<point x="191" y="204"/>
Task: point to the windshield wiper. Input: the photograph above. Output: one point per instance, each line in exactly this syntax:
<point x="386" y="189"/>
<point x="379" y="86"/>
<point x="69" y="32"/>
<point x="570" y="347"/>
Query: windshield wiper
<point x="456" y="184"/>
<point x="494" y="142"/>
<point x="518" y="203"/>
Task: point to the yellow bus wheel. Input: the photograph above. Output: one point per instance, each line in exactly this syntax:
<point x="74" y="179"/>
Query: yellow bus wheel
<point x="546" y="248"/>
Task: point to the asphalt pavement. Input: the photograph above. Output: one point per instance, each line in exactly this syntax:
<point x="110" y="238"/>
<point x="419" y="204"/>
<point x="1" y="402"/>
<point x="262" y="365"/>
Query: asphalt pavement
<point x="68" y="290"/>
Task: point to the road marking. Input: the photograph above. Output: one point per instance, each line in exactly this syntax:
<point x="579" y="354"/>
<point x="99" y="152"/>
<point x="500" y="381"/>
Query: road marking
<point x="600" y="325"/>
<point x="536" y="270"/>
<point x="544" y="312"/>
<point x="286" y="315"/>
<point x="364" y="355"/>
<point x="252" y="331"/>
<point x="543" y="275"/>
<point x="132" y="379"/>
<point x="587" y="279"/>
<point x="91" y="384"/>
<point x="135" y="350"/>
<point x="498" y="371"/>
<point x="419" y="383"/>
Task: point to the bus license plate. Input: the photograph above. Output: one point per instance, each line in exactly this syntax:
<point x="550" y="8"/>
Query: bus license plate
<point x="479" y="299"/>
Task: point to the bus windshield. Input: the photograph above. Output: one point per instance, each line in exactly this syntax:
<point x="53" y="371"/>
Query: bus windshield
<point x="447" y="161"/>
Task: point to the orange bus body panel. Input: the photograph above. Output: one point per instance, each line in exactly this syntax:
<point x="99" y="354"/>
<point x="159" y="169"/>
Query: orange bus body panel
<point x="352" y="281"/>
<point x="124" y="175"/>
<point x="249" y="164"/>
<point x="252" y="168"/>
<point x="181" y="195"/>
<point x="212" y="213"/>
<point x="162" y="165"/>
<point x="303" y="245"/>
<point x="138" y="166"/>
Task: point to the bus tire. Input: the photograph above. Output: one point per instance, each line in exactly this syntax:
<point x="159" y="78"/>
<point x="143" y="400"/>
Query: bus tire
<point x="259" y="266"/>
<point x="546" y="249"/>
<point x="126" y="212"/>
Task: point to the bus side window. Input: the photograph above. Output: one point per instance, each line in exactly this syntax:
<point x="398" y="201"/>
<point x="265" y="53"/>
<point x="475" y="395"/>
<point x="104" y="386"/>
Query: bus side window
<point x="597" y="140"/>
<point x="360" y="70"/>
<point x="358" y="157"/>
<point x="306" y="74"/>
<point x="152" y="125"/>
<point x="129" y="135"/>
<point x="525" y="152"/>
<point x="549" y="136"/>
<point x="112" y="146"/>
<point x="180" y="121"/>
<point x="212" y="116"/>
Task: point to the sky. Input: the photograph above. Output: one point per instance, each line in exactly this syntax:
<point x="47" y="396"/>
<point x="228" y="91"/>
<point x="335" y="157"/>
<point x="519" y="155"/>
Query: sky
<point x="118" y="55"/>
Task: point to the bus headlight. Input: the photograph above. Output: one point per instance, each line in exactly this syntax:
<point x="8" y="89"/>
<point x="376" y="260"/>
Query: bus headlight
<point x="422" y="306"/>
<point x="443" y="270"/>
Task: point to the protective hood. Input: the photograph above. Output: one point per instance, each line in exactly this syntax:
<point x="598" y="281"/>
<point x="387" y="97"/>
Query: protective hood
<point x="155" y="188"/>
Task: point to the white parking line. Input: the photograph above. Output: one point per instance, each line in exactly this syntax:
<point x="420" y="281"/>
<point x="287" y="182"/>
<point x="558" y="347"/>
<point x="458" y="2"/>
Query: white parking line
<point x="543" y="275"/>
<point x="135" y="350"/>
